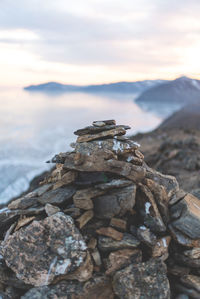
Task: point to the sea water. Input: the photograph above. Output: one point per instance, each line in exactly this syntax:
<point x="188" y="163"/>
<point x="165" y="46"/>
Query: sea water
<point x="35" y="126"/>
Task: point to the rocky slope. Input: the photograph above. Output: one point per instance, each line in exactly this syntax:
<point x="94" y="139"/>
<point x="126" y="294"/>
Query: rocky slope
<point x="174" y="148"/>
<point x="102" y="225"/>
<point x="188" y="118"/>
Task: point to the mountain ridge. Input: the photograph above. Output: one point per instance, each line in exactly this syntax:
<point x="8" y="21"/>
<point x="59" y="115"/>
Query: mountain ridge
<point x="122" y="86"/>
<point x="182" y="90"/>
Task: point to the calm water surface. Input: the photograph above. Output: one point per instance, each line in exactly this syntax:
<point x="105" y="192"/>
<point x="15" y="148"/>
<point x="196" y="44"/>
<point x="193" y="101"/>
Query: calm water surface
<point x="35" y="126"/>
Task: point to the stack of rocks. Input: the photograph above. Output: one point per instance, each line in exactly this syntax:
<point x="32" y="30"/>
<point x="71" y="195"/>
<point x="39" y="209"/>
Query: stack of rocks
<point x="102" y="225"/>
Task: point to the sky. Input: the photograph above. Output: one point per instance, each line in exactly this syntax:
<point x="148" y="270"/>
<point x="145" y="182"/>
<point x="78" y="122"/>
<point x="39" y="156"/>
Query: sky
<point x="98" y="41"/>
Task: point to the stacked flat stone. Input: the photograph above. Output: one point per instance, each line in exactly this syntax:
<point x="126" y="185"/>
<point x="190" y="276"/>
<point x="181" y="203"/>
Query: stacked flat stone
<point x="102" y="224"/>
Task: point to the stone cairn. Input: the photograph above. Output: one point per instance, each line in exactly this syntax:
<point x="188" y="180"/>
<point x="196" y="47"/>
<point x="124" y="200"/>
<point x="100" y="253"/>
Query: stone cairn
<point x="102" y="225"/>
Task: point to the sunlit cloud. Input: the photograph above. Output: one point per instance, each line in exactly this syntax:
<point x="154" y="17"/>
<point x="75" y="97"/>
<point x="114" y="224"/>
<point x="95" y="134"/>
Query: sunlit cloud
<point x="95" y="41"/>
<point x="17" y="35"/>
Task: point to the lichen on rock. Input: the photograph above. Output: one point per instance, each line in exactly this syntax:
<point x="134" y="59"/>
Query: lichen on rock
<point x="45" y="249"/>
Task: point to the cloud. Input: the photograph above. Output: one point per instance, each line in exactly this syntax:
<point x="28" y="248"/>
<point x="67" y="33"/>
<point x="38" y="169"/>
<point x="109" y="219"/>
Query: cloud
<point x="135" y="34"/>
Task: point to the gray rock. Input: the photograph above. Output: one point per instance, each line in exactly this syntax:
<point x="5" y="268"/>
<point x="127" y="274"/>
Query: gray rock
<point x="42" y="189"/>
<point x="180" y="194"/>
<point x="114" y="145"/>
<point x="176" y="270"/>
<point x="120" y="130"/>
<point x="4" y="295"/>
<point x="60" y="158"/>
<point x="193" y="253"/>
<point x="97" y="129"/>
<point x="182" y="296"/>
<point x="191" y="281"/>
<point x="104" y="161"/>
<point x="83" y="198"/>
<point x="23" y="202"/>
<point x="8" y="277"/>
<point x="60" y="290"/>
<point x="160" y="249"/>
<point x="146" y="236"/>
<point x="8" y="217"/>
<point x="108" y="244"/>
<point x="182" y="239"/>
<point x="185" y="260"/>
<point x="99" y="287"/>
<point x="196" y="192"/>
<point x="161" y="198"/>
<point x="149" y="210"/>
<point x="87" y="179"/>
<point x="187" y="215"/>
<point x="58" y="196"/>
<point x="50" y="209"/>
<point x="120" y="259"/>
<point x="98" y="123"/>
<point x="187" y="291"/>
<point x="29" y="199"/>
<point x="107" y="122"/>
<point x="115" y="203"/>
<point x="144" y="280"/>
<point x="48" y="248"/>
<point x="12" y="293"/>
<point x="116" y="183"/>
<point x="169" y="182"/>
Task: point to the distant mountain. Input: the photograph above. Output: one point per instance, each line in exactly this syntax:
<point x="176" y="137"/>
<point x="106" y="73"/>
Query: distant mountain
<point x="118" y="87"/>
<point x="181" y="91"/>
<point x="51" y="87"/>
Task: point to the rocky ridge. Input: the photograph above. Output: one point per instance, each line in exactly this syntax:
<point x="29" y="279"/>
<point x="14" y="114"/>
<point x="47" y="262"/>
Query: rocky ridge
<point x="174" y="151"/>
<point x="102" y="225"/>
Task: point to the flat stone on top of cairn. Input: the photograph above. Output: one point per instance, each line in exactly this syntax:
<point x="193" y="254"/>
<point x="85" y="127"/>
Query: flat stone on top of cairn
<point x="100" y="129"/>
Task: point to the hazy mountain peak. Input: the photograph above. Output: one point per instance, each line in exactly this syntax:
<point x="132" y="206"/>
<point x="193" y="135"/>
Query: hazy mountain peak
<point x="182" y="78"/>
<point x="182" y="90"/>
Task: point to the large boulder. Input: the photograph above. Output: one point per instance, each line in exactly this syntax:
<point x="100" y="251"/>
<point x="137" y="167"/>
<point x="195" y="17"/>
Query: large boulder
<point x="45" y="249"/>
<point x="144" y="280"/>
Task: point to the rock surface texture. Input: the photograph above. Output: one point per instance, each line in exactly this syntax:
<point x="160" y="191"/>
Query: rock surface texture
<point x="102" y="225"/>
